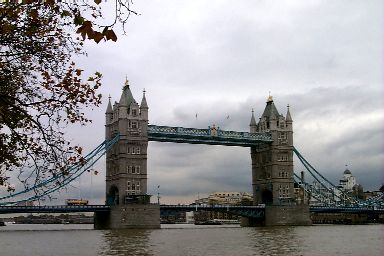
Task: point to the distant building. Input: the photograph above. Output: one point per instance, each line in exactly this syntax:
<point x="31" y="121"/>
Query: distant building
<point x="25" y="203"/>
<point x="189" y="217"/>
<point x="348" y="182"/>
<point x="227" y="198"/>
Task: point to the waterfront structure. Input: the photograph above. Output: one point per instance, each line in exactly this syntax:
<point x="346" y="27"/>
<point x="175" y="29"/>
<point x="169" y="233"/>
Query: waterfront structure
<point x="272" y="164"/>
<point x="126" y="166"/>
<point x="126" y="163"/>
<point x="270" y="140"/>
<point x="127" y="204"/>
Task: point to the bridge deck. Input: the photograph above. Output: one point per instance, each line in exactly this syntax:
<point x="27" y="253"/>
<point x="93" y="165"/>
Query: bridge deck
<point x="54" y="209"/>
<point x="326" y="209"/>
<point x="210" y="136"/>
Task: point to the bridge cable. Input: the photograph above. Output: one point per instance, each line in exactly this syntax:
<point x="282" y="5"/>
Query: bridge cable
<point x="103" y="147"/>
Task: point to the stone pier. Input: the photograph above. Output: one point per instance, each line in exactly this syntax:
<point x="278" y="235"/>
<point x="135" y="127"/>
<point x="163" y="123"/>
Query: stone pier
<point x="129" y="216"/>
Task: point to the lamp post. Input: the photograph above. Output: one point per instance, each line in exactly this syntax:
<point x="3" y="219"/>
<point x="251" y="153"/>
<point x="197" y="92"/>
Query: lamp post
<point x="158" y="194"/>
<point x="92" y="172"/>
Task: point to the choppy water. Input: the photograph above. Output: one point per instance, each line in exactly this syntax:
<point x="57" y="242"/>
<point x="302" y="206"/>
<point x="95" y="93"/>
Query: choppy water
<point x="188" y="240"/>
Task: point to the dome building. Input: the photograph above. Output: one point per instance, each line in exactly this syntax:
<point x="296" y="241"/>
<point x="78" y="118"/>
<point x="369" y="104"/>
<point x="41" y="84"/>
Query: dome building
<point x="348" y="181"/>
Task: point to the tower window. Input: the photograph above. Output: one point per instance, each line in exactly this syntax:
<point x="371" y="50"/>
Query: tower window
<point x="134" y="112"/>
<point x="134" y="125"/>
<point x="282" y="157"/>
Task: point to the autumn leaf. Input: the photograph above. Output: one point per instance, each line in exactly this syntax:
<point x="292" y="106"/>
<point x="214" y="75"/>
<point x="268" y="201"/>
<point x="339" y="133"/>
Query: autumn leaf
<point x="110" y="35"/>
<point x="78" y="72"/>
<point x="97" y="36"/>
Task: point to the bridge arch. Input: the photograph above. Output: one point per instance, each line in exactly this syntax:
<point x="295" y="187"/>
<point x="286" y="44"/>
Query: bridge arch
<point x="113" y="195"/>
<point x="267" y="196"/>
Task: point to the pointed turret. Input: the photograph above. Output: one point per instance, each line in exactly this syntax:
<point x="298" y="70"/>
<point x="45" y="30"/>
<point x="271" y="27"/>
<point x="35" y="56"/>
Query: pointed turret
<point x="144" y="107"/>
<point x="269" y="118"/>
<point x="143" y="101"/>
<point x="288" y="120"/>
<point x="270" y="110"/>
<point x="253" y="125"/>
<point x="108" y="118"/>
<point x="125" y="100"/>
<point x="109" y="107"/>
<point x="126" y="97"/>
<point x="288" y="117"/>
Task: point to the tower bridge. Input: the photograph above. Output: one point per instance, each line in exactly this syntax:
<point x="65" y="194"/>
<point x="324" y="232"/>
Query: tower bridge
<point x="128" y="205"/>
<point x="270" y="141"/>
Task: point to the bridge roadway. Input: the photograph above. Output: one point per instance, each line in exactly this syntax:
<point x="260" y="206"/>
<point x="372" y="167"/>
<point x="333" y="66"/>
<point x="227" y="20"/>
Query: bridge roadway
<point x="251" y="211"/>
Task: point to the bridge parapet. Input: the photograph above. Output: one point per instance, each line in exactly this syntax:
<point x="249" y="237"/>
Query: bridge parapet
<point x="54" y="209"/>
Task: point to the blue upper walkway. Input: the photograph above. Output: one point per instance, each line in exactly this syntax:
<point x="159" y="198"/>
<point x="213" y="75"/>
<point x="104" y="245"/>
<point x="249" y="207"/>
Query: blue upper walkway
<point x="210" y="136"/>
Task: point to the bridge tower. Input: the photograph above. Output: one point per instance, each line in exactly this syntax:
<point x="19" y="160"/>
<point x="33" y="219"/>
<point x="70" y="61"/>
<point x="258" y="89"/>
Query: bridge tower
<point x="272" y="169"/>
<point x="126" y="165"/>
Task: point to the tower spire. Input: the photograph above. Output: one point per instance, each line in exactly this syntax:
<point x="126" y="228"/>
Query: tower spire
<point x="288" y="117"/>
<point x="126" y="83"/>
<point x="126" y="96"/>
<point x="253" y="125"/>
<point x="109" y="107"/>
<point x="143" y="101"/>
<point x="253" y="121"/>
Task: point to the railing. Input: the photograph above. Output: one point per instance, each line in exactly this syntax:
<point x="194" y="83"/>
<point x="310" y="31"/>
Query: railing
<point x="53" y="208"/>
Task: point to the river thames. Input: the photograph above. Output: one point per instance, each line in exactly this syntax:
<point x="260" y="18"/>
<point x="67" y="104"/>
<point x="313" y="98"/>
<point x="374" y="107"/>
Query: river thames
<point x="188" y="240"/>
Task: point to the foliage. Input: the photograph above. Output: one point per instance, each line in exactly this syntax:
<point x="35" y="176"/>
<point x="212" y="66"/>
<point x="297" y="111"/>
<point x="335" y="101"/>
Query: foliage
<point x="41" y="88"/>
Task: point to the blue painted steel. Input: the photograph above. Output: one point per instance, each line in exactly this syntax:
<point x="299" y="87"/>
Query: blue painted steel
<point x="248" y="211"/>
<point x="330" y="195"/>
<point x="340" y="209"/>
<point x="210" y="136"/>
<point x="54" y="209"/>
<point x="62" y="180"/>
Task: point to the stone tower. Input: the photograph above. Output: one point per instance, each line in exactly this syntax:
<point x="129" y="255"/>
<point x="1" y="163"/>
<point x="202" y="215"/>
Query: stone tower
<point x="126" y="167"/>
<point x="272" y="165"/>
<point x="126" y="162"/>
<point x="272" y="171"/>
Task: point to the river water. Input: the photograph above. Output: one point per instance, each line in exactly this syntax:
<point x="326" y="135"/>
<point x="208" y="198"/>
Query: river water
<point x="188" y="240"/>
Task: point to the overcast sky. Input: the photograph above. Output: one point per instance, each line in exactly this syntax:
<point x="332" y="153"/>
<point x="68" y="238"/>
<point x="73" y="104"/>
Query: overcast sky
<point x="222" y="58"/>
